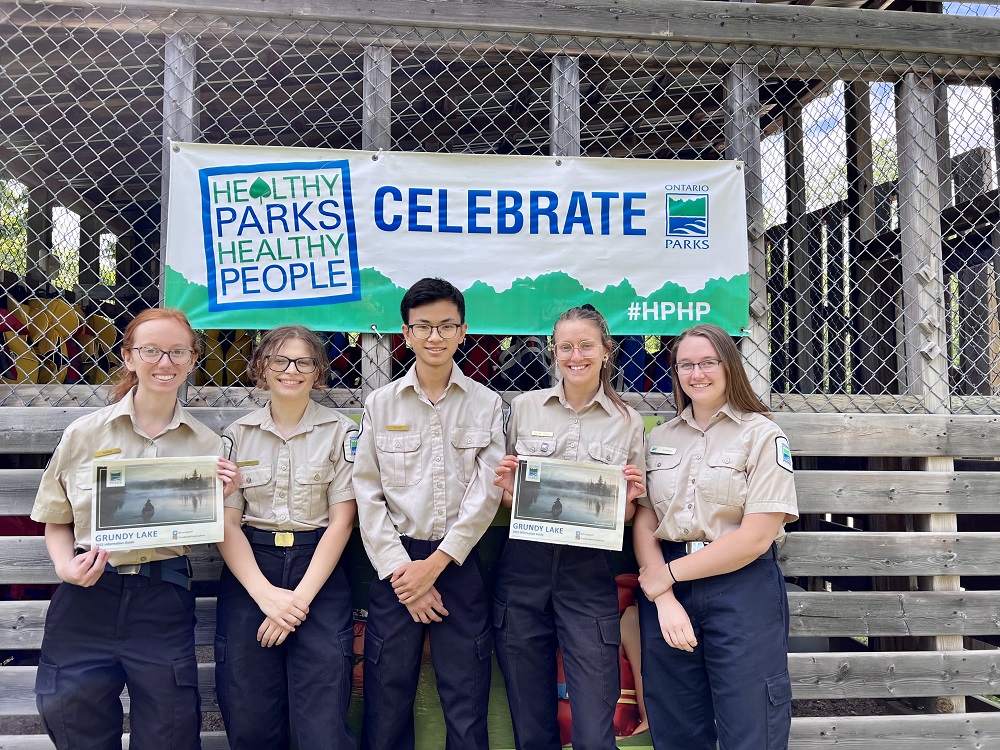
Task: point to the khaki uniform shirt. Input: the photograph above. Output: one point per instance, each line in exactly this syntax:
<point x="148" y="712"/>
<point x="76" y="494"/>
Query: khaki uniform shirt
<point x="426" y="470"/>
<point x="702" y="483"/>
<point x="542" y="423"/>
<point x="298" y="478"/>
<point x="67" y="487"/>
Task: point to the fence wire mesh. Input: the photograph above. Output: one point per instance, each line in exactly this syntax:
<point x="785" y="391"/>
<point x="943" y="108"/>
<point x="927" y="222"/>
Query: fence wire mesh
<point x="878" y="213"/>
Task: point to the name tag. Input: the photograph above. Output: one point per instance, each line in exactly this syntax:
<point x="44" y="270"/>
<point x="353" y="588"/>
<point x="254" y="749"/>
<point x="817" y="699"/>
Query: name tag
<point x="398" y="428"/>
<point x="108" y="452"/>
<point x="542" y="433"/>
<point x="662" y="450"/>
<point x="255" y="462"/>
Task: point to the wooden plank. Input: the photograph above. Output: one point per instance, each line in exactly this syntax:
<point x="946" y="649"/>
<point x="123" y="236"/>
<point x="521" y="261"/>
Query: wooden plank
<point x="26" y="561"/>
<point x="894" y="675"/>
<point x="825" y="553"/>
<point x="564" y="110"/>
<point x="679" y="20"/>
<point x="893" y="613"/>
<point x="897" y="492"/>
<point x="955" y="732"/>
<point x="813" y="613"/>
<point x="209" y="741"/>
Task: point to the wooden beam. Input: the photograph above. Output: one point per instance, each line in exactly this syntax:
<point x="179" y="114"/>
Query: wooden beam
<point x="956" y="732"/>
<point x="677" y="20"/>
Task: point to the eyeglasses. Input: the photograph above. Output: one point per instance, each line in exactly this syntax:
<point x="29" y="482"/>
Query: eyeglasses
<point x="152" y="354"/>
<point x="706" y="366"/>
<point x="588" y="349"/>
<point x="423" y="331"/>
<point x="304" y="365"/>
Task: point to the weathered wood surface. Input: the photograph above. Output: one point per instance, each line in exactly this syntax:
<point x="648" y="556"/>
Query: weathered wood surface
<point x="818" y="491"/>
<point x="827" y="553"/>
<point x="678" y="20"/>
<point x="840" y="675"/>
<point x="955" y="732"/>
<point x="894" y="675"/>
<point x="33" y="430"/>
<point x="813" y="613"/>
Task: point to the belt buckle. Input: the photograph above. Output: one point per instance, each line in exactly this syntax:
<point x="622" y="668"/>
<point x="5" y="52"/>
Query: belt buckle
<point x="284" y="538"/>
<point x="690" y="547"/>
<point x="128" y="570"/>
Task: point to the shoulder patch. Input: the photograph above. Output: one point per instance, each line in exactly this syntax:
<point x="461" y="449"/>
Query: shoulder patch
<point x="783" y="454"/>
<point x="351" y="445"/>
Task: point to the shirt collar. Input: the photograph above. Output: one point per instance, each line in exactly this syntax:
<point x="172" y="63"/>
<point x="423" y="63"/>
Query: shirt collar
<point x="126" y="408"/>
<point x="727" y="410"/>
<point x="409" y="380"/>
<point x="559" y="391"/>
<point x="312" y="416"/>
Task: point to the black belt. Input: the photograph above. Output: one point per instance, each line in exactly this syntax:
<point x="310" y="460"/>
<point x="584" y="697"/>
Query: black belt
<point x="175" y="570"/>
<point x="282" y="538"/>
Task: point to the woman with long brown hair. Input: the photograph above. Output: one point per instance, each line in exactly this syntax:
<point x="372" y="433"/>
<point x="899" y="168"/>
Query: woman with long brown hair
<point x="714" y="621"/>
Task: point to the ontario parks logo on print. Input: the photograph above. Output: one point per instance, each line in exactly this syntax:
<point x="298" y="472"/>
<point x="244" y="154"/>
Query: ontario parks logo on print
<point x="687" y="215"/>
<point x="279" y="235"/>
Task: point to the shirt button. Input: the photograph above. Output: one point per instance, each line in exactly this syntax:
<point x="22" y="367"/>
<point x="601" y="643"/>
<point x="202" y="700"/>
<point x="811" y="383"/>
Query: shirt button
<point x="692" y="481"/>
<point x="727" y="460"/>
<point x="690" y="506"/>
<point x="686" y="531"/>
<point x="397" y="445"/>
<point x="281" y="494"/>
<point x="282" y="517"/>
<point x="281" y="466"/>
<point x="142" y="559"/>
<point x="316" y="477"/>
<point x="658" y="464"/>
<point x="698" y="456"/>
<point x="149" y="442"/>
<point x="469" y="441"/>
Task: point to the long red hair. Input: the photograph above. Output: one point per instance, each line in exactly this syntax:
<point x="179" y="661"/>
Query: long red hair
<point x="125" y="379"/>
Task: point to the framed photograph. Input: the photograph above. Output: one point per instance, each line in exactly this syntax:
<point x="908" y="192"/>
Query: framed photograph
<point x="156" y="502"/>
<point x="568" y="502"/>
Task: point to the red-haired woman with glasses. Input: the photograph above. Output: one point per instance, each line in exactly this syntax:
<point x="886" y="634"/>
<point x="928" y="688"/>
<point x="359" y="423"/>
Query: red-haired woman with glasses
<point x="124" y="617"/>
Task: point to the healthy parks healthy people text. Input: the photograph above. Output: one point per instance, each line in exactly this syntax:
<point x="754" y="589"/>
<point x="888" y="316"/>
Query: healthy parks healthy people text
<point x="550" y="596"/>
<point x="124" y="618"/>
<point x="284" y="633"/>
<point x="423" y="474"/>
<point x="715" y="623"/>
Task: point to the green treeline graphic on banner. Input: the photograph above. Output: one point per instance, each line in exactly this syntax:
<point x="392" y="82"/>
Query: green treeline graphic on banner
<point x="667" y="311"/>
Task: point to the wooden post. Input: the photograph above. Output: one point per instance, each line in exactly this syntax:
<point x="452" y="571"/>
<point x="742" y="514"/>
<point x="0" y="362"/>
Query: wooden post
<point x="923" y="314"/>
<point x="41" y="263"/>
<point x="376" y="117"/>
<point x="800" y="265"/>
<point x="742" y="130"/>
<point x="180" y="118"/>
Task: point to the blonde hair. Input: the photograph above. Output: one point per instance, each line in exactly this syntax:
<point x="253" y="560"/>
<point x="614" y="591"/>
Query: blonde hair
<point x="590" y="314"/>
<point x="125" y="379"/>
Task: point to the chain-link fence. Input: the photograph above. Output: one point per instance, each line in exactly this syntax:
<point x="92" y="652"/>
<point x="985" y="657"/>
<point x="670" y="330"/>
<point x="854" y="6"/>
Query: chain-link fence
<point x="872" y="188"/>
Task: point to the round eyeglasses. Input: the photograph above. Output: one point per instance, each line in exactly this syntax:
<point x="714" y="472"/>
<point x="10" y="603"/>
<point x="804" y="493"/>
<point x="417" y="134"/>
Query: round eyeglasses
<point x="706" y="366"/>
<point x="423" y="331"/>
<point x="153" y="355"/>
<point x="304" y="365"/>
<point x="588" y="349"/>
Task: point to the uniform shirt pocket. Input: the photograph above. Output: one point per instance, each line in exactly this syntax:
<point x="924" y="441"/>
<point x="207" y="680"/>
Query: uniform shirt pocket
<point x="258" y="490"/>
<point x="311" y="483"/>
<point x="80" y="497"/>
<point x="726" y="478"/>
<point x="662" y="477"/>
<point x="399" y="458"/>
<point x="607" y="453"/>
<point x="535" y="446"/>
<point x="467" y="442"/>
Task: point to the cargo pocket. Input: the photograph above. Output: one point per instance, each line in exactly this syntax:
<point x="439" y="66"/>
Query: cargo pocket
<point x="373" y="657"/>
<point x="45" y="678"/>
<point x="779" y="711"/>
<point x="484" y="650"/>
<point x="186" y="696"/>
<point x="346" y="638"/>
<point x="47" y="700"/>
<point x="221" y="677"/>
<point x="611" y="641"/>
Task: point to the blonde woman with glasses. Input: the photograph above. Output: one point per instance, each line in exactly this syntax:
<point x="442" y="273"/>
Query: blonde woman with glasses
<point x="714" y="621"/>
<point x="551" y="596"/>
<point x="284" y="633"/>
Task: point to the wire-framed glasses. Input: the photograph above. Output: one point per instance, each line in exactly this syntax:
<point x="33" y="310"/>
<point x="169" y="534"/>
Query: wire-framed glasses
<point x="706" y="366"/>
<point x="588" y="349"/>
<point x="423" y="331"/>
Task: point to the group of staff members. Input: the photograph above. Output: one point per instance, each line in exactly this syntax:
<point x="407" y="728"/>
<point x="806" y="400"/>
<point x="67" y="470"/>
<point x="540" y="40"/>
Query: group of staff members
<point x="710" y="491"/>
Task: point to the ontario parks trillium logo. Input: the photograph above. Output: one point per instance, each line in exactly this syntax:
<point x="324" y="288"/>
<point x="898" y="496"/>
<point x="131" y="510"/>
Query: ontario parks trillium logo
<point x="279" y="235"/>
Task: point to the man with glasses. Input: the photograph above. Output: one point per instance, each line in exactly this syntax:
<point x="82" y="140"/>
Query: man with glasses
<point x="423" y="478"/>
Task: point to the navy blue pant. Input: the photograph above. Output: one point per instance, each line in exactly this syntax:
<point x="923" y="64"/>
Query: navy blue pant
<point x="123" y="630"/>
<point x="735" y="686"/>
<point x="461" y="645"/>
<point x="300" y="689"/>
<point x="550" y="596"/>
